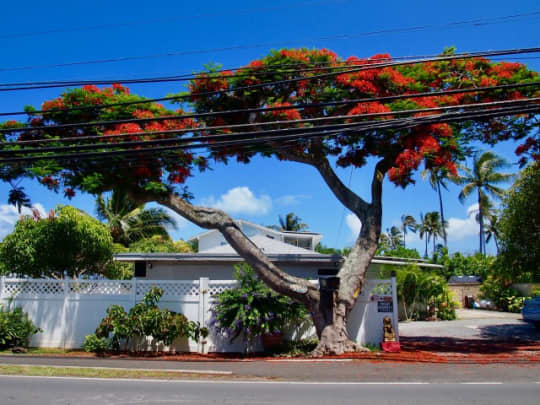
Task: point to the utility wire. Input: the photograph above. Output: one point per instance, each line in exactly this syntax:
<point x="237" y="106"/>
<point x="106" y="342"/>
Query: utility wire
<point x="258" y="133"/>
<point x="474" y="22"/>
<point x="249" y="87"/>
<point x="398" y="124"/>
<point x="325" y="75"/>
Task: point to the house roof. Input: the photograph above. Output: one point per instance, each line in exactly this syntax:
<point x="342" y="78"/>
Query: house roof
<point x="267" y="245"/>
<point x="316" y="236"/>
<point x="465" y="280"/>
<point x="204" y="257"/>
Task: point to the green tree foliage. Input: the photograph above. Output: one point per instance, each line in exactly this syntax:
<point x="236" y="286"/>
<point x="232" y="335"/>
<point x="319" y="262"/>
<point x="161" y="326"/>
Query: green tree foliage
<point x="160" y="244"/>
<point x="292" y="222"/>
<point x="69" y="242"/>
<point x="408" y="223"/>
<point x="458" y="264"/>
<point x="430" y="228"/>
<point x="520" y="227"/>
<point x="129" y="221"/>
<point x="483" y="179"/>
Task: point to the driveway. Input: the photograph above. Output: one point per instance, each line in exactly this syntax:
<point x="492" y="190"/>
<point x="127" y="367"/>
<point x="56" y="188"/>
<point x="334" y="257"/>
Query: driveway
<point x="474" y="324"/>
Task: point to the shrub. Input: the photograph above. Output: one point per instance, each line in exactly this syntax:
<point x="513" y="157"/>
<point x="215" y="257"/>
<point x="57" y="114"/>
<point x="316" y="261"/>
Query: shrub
<point x="95" y="344"/>
<point x="251" y="309"/>
<point x="419" y="290"/>
<point x="120" y="328"/>
<point x="502" y="294"/>
<point x="16" y="328"/>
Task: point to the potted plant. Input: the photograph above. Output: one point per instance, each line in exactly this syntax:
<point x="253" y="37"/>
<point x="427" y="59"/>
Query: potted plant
<point x="251" y="311"/>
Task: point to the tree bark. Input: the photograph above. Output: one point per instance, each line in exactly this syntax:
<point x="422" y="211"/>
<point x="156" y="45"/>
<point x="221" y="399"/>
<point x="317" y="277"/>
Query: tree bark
<point x="332" y="328"/>
<point x="442" y="213"/>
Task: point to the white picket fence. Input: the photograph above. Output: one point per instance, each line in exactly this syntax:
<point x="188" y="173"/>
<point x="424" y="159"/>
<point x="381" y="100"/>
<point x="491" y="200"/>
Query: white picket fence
<point x="68" y="310"/>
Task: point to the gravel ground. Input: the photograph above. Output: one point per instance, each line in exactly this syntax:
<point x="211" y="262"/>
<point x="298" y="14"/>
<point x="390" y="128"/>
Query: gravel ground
<point x="475" y="324"/>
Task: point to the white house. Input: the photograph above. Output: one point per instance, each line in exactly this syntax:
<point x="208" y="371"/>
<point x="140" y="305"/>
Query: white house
<point x="293" y="252"/>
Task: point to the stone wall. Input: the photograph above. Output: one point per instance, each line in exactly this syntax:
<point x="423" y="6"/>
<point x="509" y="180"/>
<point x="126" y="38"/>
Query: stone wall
<point x="460" y="291"/>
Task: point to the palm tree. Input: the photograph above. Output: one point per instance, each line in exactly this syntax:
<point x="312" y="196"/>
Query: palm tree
<point x="430" y="227"/>
<point x="291" y="222"/>
<point x="483" y="178"/>
<point x="395" y="237"/>
<point x="491" y="228"/>
<point x="129" y="221"/>
<point x="408" y="223"/>
<point x="437" y="179"/>
<point x="18" y="197"/>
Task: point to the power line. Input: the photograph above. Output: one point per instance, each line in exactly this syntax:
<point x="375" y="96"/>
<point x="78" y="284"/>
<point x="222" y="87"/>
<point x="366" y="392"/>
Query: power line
<point x="398" y="124"/>
<point x="473" y="22"/>
<point x="293" y="80"/>
<point x="258" y="133"/>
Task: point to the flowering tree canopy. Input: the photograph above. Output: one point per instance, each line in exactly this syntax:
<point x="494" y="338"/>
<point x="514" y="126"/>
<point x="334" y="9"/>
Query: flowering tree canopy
<point x="306" y="106"/>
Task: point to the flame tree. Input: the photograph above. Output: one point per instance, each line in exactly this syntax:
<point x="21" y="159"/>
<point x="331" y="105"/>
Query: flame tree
<point x="304" y="106"/>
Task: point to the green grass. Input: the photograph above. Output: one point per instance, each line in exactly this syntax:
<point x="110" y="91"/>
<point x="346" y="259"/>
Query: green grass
<point x="48" y="371"/>
<point x="41" y="351"/>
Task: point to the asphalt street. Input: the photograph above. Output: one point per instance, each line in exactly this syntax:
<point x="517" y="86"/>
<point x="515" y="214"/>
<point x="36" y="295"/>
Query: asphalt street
<point x="64" y="391"/>
<point x="317" y="371"/>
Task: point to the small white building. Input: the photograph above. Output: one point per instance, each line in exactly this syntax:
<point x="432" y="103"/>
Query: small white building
<point x="293" y="252"/>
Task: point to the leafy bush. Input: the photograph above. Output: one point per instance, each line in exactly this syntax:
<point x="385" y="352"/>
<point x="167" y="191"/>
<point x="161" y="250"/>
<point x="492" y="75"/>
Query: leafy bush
<point x="120" y="328"/>
<point x="502" y="294"/>
<point x="95" y="344"/>
<point x="251" y="309"/>
<point x="458" y="264"/>
<point x="419" y="291"/>
<point x="16" y="328"/>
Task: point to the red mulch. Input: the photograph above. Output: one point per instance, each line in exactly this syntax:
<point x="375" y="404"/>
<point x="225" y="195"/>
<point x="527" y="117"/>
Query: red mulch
<point x="413" y="350"/>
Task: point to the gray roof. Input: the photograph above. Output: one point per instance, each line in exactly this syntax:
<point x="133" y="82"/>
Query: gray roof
<point x="465" y="280"/>
<point x="225" y="257"/>
<point x="267" y="245"/>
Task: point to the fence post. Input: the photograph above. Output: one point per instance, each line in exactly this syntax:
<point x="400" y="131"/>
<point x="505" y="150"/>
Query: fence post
<point x="2" y="282"/>
<point x="65" y="318"/>
<point x="395" y="309"/>
<point x="203" y="307"/>
<point x="134" y="291"/>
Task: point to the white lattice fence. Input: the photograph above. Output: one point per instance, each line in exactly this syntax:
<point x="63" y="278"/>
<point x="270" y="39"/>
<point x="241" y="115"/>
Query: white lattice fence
<point x="67" y="310"/>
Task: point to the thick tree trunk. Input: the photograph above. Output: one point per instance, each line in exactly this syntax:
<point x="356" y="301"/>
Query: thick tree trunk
<point x="330" y="319"/>
<point x="442" y="213"/>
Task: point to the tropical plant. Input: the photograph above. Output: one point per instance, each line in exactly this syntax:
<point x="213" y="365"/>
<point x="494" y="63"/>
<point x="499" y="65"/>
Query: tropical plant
<point x="418" y="289"/>
<point x="16" y="328"/>
<point x="251" y="309"/>
<point x="18" y="197"/>
<point x="499" y="290"/>
<point x="408" y="223"/>
<point x="129" y="221"/>
<point x="519" y="226"/>
<point x="430" y="228"/>
<point x="291" y="222"/>
<point x="121" y="329"/>
<point x="397" y="146"/>
<point x="483" y="179"/>
<point x="438" y="180"/>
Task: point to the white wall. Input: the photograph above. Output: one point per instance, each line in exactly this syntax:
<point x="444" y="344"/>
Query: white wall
<point x="68" y="310"/>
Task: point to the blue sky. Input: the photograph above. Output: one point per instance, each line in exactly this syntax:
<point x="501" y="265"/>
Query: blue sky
<point x="35" y="35"/>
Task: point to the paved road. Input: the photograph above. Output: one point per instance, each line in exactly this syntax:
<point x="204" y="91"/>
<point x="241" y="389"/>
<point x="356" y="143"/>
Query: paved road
<point x="474" y="324"/>
<point x="348" y="371"/>
<point x="44" y="391"/>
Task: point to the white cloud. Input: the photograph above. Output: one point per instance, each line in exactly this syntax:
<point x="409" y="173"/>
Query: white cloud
<point x="354" y="224"/>
<point x="241" y="200"/>
<point x="9" y="216"/>
<point x="291" y="199"/>
<point x="461" y="228"/>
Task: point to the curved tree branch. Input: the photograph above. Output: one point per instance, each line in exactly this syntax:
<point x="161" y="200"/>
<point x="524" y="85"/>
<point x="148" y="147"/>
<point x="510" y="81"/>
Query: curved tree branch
<point x="211" y="218"/>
